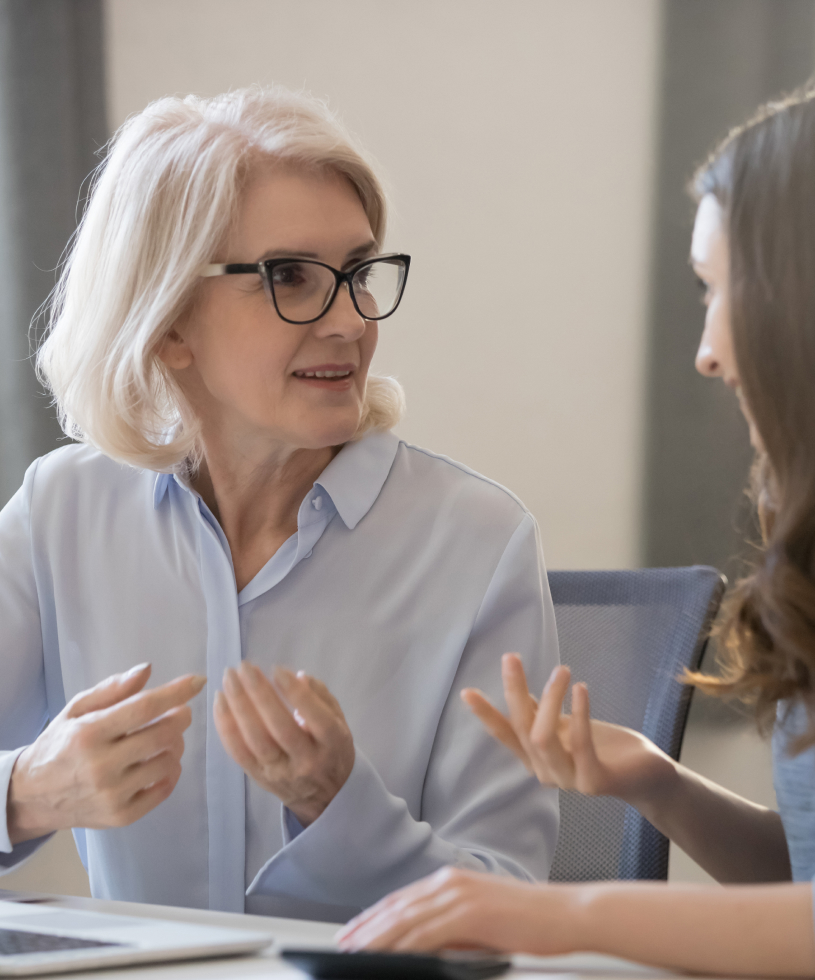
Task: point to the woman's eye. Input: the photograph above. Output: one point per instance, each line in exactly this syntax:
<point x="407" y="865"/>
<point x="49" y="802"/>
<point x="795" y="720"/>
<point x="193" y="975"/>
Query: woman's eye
<point x="288" y="275"/>
<point x="704" y="289"/>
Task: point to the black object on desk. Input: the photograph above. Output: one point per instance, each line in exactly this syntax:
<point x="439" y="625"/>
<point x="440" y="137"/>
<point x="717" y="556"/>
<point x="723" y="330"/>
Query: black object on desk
<point x="330" y="964"/>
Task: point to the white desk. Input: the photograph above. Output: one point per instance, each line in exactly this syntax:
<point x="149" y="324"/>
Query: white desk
<point x="295" y="932"/>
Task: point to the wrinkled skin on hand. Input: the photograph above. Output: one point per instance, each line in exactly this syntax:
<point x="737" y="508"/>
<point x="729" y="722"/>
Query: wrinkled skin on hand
<point x="110" y="756"/>
<point x="289" y="735"/>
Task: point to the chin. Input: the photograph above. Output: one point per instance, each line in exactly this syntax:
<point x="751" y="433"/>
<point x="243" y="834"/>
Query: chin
<point x="331" y="435"/>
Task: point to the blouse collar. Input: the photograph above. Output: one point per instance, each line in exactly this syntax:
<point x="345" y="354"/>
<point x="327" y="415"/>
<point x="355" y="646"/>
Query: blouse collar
<point x="353" y="479"/>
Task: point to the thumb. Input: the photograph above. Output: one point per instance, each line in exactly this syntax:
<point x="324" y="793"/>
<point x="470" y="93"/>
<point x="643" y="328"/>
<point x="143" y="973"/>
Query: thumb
<point x="110" y="691"/>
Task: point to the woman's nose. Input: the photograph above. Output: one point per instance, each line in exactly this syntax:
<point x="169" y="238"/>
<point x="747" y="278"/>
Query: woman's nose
<point x="342" y="319"/>
<point x="707" y="363"/>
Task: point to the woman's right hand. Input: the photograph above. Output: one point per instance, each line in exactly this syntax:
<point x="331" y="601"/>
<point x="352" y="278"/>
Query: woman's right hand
<point x="110" y="756"/>
<point x="572" y="752"/>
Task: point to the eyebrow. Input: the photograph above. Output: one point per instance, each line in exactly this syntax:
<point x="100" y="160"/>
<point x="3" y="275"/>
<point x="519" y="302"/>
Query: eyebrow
<point x="359" y="252"/>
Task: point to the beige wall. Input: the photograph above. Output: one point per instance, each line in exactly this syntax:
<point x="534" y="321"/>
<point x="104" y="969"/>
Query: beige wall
<point x="517" y="139"/>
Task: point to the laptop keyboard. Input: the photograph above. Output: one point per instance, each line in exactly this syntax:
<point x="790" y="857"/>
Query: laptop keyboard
<point x="15" y="942"/>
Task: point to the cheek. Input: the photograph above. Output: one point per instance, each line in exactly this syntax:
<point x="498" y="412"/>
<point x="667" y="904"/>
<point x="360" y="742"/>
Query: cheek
<point x="244" y="365"/>
<point x="238" y="359"/>
<point x="367" y="346"/>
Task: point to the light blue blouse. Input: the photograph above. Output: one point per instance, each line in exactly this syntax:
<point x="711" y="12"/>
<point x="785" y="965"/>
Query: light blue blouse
<point x="408" y="577"/>
<point x="794" y="779"/>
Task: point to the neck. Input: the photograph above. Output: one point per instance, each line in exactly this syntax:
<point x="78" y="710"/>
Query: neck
<point x="255" y="494"/>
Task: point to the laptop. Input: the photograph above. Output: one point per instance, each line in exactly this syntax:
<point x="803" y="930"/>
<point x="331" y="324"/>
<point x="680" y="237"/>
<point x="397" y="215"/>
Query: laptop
<point x="37" y="938"/>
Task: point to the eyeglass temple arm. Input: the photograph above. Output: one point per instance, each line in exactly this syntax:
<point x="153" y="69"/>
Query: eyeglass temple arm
<point x="231" y="269"/>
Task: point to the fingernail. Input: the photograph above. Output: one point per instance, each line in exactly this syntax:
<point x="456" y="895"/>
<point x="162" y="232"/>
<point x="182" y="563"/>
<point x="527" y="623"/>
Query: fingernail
<point x="247" y="674"/>
<point x="197" y="683"/>
<point x="283" y="678"/>
<point x="134" y="670"/>
<point x="230" y="681"/>
<point x="218" y="702"/>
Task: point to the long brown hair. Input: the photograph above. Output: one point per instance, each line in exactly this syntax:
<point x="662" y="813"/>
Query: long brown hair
<point x="763" y="176"/>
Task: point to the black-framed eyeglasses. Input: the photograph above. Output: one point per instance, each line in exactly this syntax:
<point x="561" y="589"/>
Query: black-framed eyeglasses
<point x="302" y="290"/>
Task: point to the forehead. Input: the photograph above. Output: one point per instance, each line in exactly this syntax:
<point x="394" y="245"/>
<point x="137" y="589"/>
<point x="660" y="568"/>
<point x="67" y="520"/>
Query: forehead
<point x="301" y="210"/>
<point x="709" y="235"/>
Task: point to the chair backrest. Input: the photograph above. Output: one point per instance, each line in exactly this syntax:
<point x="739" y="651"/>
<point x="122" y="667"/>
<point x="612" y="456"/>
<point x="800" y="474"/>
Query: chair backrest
<point x="628" y="635"/>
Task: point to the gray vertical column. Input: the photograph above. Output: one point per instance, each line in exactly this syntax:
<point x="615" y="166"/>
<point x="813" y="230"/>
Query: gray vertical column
<point x="52" y="121"/>
<point x="721" y="58"/>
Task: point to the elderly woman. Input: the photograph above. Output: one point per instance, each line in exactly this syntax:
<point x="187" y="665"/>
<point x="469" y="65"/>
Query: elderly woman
<point x="238" y="506"/>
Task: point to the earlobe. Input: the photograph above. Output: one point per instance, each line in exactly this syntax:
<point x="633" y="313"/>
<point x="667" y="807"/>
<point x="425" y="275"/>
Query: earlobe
<point x="174" y="352"/>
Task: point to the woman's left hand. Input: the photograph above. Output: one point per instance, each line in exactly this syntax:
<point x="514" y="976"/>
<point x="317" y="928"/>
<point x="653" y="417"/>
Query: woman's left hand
<point x="455" y="909"/>
<point x="289" y="735"/>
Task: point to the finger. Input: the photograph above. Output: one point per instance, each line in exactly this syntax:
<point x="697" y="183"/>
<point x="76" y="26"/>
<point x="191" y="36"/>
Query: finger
<point x="253" y="731"/>
<point x="583" y="748"/>
<point x="402" y="925"/>
<point x="378" y="921"/>
<point x="153" y="738"/>
<point x="265" y="721"/>
<point x="117" y="793"/>
<point x="140" y="709"/>
<point x="243" y="733"/>
<point x="321" y="719"/>
<point x="397" y="900"/>
<point x="345" y="936"/>
<point x="110" y="691"/>
<point x="322" y="691"/>
<point x="448" y="929"/>
<point x="386" y="931"/>
<point x="143" y="775"/>
<point x="496" y="724"/>
<point x="544" y="737"/>
<point x="282" y="717"/>
<point x="147" y="799"/>
<point x="522" y="706"/>
<point x="230" y="735"/>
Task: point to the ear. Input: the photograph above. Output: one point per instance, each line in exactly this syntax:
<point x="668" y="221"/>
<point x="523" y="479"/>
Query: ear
<point x="174" y="351"/>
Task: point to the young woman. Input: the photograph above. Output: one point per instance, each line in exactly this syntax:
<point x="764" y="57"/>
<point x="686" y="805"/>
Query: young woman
<point x="237" y="505"/>
<point x="753" y="249"/>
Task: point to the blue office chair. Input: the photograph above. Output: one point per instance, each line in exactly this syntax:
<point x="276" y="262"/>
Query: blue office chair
<point x="628" y="634"/>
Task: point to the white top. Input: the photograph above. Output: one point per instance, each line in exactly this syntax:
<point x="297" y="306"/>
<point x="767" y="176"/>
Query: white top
<point x="407" y="579"/>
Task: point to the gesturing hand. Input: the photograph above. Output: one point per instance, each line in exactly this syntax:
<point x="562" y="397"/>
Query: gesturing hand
<point x="110" y="756"/>
<point x="289" y="735"/>
<point x="570" y="751"/>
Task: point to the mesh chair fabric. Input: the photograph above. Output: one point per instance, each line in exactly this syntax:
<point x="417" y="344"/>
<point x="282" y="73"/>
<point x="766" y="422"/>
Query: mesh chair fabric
<point x="628" y="635"/>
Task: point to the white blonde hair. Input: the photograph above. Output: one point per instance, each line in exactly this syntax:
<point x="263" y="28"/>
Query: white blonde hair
<point x="161" y="204"/>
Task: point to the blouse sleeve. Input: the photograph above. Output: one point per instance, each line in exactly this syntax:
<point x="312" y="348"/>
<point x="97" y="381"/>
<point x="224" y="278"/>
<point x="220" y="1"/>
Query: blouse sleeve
<point x="23" y="705"/>
<point x="480" y="808"/>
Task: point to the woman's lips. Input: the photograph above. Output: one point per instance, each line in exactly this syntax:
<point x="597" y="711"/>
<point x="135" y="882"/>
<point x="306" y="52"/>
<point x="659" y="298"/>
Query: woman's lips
<point x="334" y="377"/>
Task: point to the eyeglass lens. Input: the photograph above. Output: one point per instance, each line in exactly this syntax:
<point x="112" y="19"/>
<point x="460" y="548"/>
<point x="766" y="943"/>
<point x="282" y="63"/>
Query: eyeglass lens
<point x="302" y="290"/>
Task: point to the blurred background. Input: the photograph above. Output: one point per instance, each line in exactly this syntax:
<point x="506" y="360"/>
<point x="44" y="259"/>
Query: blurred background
<point x="537" y="153"/>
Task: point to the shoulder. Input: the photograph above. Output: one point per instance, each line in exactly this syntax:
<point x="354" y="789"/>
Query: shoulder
<point x="76" y="473"/>
<point x="427" y="476"/>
